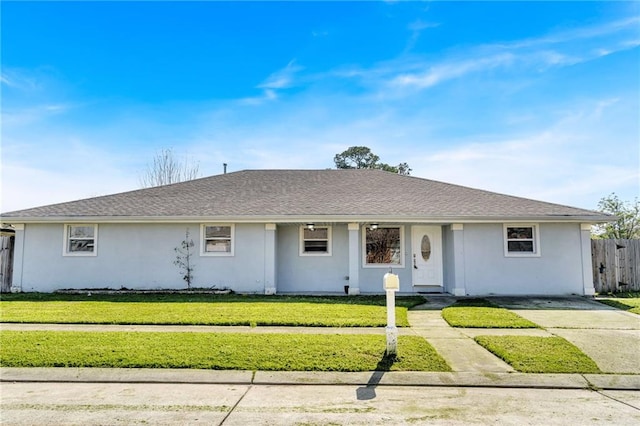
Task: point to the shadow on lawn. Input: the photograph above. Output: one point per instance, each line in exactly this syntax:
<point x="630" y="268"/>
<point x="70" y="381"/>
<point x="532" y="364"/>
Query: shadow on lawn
<point x="368" y="392"/>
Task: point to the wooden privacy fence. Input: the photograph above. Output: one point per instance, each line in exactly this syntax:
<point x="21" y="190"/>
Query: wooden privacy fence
<point x="616" y="265"/>
<point x="6" y="262"/>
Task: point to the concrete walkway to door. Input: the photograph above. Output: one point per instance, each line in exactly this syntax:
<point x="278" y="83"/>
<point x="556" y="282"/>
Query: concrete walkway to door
<point x="462" y="353"/>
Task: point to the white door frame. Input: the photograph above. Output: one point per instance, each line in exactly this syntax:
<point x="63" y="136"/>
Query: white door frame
<point x="426" y="273"/>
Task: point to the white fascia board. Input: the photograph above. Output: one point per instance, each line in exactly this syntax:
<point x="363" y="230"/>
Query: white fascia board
<point x="309" y="218"/>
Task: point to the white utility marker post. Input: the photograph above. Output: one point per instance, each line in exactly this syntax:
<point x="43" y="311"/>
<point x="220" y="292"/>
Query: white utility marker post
<point x="391" y="284"/>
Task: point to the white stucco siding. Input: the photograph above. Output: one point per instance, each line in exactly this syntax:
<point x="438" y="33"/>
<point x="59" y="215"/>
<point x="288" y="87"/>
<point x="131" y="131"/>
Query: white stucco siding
<point x="558" y="269"/>
<point x="139" y="256"/>
<point x="299" y="274"/>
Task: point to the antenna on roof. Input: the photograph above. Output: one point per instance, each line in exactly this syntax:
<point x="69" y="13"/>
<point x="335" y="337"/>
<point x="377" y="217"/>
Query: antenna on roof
<point x="224" y="168"/>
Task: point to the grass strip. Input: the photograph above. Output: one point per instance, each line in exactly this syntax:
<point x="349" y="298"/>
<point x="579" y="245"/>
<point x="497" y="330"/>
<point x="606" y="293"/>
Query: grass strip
<point x="480" y="313"/>
<point x="629" y="304"/>
<point x="229" y="351"/>
<point x="534" y="354"/>
<point x="202" y="309"/>
<point x="250" y="313"/>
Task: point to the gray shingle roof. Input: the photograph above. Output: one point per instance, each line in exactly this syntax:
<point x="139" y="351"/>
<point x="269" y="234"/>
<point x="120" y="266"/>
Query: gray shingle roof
<point x="281" y="194"/>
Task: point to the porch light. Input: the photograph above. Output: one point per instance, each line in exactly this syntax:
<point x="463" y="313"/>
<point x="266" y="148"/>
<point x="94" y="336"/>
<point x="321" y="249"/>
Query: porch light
<point x="373" y="226"/>
<point x="310" y="226"/>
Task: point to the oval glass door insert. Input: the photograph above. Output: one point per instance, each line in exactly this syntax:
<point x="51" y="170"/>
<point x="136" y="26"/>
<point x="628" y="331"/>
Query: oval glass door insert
<point x="425" y="247"/>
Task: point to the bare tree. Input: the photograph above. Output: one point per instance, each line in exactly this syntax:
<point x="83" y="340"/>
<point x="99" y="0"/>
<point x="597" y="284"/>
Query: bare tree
<point x="167" y="169"/>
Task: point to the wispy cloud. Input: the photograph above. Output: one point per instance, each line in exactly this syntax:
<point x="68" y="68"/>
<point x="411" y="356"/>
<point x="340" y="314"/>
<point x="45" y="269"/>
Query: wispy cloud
<point x="417" y="27"/>
<point x="399" y="77"/>
<point x="4" y="79"/>
<point x="32" y="114"/>
<point x="266" y="96"/>
<point x="447" y="71"/>
<point x="575" y="34"/>
<point x="282" y="79"/>
<point x="560" y="49"/>
<point x="630" y="44"/>
<point x="33" y="80"/>
<point x="19" y="79"/>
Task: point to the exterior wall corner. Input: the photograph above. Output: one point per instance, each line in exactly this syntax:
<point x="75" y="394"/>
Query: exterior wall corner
<point x="270" y="283"/>
<point x="354" y="258"/>
<point x="587" y="273"/>
<point x="459" y="272"/>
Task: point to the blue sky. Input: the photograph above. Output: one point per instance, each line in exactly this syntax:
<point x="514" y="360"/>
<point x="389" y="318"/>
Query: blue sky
<point x="540" y="100"/>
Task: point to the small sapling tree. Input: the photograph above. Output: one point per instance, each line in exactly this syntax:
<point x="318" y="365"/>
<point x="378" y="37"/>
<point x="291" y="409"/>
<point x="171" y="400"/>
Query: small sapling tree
<point x="183" y="259"/>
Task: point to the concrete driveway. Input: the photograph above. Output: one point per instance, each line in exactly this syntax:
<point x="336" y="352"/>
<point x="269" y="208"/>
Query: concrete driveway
<point x="609" y="336"/>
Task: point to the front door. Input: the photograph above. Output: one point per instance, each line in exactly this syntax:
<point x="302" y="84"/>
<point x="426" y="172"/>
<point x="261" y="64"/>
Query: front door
<point x="426" y="261"/>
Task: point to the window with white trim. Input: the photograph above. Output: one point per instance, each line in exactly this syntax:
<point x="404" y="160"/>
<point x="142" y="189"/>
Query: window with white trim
<point x="521" y="240"/>
<point x="383" y="246"/>
<point x="80" y="240"/>
<point x="217" y="240"/>
<point x="316" y="241"/>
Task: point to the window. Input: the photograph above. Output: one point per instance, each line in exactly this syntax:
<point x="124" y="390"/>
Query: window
<point x="217" y="240"/>
<point x="521" y="240"/>
<point x="316" y="242"/>
<point x="383" y="247"/>
<point x="80" y="240"/>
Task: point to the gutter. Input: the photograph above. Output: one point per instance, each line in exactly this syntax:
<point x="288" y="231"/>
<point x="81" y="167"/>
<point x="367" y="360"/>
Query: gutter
<point x="280" y="219"/>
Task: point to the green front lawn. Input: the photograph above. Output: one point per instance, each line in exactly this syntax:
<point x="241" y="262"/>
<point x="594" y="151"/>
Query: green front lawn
<point x="480" y="313"/>
<point x="625" y="301"/>
<point x="357" y="311"/>
<point x="530" y="354"/>
<point x="232" y="351"/>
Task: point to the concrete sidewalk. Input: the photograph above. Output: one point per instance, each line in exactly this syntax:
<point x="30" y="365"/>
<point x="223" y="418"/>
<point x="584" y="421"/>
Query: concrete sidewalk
<point x="405" y="378"/>
<point x="127" y="404"/>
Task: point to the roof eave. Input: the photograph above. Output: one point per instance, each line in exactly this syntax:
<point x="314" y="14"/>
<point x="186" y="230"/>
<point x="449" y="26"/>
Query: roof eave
<point x="593" y="219"/>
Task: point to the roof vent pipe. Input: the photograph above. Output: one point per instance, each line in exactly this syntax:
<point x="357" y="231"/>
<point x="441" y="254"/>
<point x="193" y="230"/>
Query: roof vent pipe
<point x="224" y="168"/>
